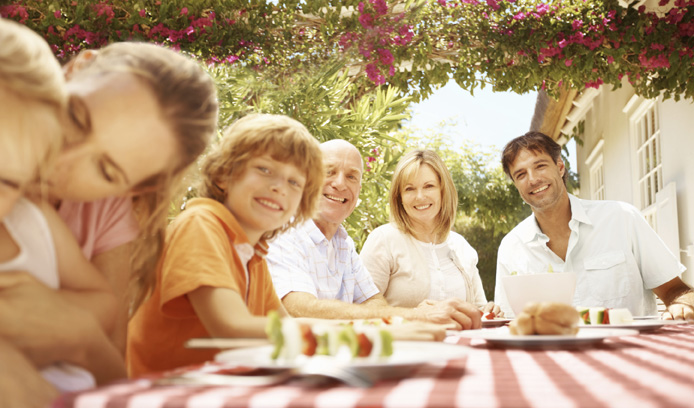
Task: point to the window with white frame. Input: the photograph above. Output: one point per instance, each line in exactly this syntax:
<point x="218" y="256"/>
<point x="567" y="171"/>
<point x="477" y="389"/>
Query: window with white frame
<point x="597" y="180"/>
<point x="646" y="128"/>
<point x="597" y="171"/>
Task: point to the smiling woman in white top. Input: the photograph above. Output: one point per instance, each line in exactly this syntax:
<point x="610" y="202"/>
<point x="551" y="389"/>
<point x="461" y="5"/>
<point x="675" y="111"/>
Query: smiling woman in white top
<point x="416" y="257"/>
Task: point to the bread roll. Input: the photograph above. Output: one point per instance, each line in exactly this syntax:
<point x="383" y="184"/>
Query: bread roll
<point x="546" y="318"/>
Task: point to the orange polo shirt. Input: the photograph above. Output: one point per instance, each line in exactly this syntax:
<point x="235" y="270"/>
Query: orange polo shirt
<point x="200" y="250"/>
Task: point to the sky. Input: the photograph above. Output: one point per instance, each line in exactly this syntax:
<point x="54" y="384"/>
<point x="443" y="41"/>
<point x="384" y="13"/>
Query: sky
<point x="488" y="118"/>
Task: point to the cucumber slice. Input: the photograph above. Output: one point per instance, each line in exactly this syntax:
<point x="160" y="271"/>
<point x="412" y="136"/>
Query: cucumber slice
<point x="386" y="343"/>
<point x="273" y="330"/>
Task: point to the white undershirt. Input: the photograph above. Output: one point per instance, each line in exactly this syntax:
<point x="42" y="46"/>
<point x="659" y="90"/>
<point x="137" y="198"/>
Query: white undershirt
<point x="446" y="279"/>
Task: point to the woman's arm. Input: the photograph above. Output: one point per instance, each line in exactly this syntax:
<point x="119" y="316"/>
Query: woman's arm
<point x="47" y="328"/>
<point x="80" y="281"/>
<point x="114" y="265"/>
<point x="21" y="384"/>
<point x="376" y="257"/>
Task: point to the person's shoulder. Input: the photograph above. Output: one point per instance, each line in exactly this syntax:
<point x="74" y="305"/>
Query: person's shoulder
<point x="611" y="207"/>
<point x="204" y="211"/>
<point x="459" y="242"/>
<point x="528" y="223"/>
<point x="457" y="238"/>
<point x="519" y="231"/>
<point x="298" y="235"/>
<point x="388" y="229"/>
<point x="100" y="207"/>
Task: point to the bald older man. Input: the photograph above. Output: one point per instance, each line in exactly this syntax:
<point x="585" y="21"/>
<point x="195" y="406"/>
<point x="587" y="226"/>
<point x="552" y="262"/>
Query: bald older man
<point x="316" y="269"/>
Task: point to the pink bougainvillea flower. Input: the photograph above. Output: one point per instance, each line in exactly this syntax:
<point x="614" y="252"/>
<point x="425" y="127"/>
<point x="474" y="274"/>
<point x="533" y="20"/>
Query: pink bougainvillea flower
<point x="542" y="9"/>
<point x="594" y="84"/>
<point x="380" y="6"/>
<point x="661" y="3"/>
<point x="57" y="14"/>
<point x="366" y="20"/>
<point x="494" y="4"/>
<point x="184" y="11"/>
<point x="385" y="56"/>
<point x="104" y="9"/>
<point x="568" y="62"/>
<point x="610" y="59"/>
<point x="374" y="74"/>
<point x="576" y="24"/>
<point x="143" y="13"/>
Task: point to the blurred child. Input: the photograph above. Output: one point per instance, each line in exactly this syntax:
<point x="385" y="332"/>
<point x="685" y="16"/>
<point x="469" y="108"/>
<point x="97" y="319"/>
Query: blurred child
<point x="33" y="239"/>
<point x="264" y="176"/>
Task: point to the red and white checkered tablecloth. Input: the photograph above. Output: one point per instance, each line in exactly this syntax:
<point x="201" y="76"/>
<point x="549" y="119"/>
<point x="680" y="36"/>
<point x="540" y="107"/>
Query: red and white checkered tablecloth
<point x="653" y="369"/>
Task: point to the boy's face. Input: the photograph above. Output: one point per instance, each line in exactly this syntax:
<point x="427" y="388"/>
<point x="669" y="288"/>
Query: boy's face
<point x="265" y="195"/>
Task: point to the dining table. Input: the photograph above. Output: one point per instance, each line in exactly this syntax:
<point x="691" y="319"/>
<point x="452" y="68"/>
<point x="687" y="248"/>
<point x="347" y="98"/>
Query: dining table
<point x="652" y="368"/>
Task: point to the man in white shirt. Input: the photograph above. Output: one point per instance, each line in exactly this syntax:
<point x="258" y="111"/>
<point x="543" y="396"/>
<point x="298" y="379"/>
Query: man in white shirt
<point x="315" y="267"/>
<point x="619" y="261"/>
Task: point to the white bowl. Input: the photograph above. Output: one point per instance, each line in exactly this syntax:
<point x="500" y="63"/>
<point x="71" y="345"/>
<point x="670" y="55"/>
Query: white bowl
<point x="539" y="287"/>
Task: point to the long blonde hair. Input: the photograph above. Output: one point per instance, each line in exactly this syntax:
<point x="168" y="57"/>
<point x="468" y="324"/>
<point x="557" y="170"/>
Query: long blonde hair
<point x="29" y="72"/>
<point x="285" y="140"/>
<point x="188" y="101"/>
<point x="407" y="169"/>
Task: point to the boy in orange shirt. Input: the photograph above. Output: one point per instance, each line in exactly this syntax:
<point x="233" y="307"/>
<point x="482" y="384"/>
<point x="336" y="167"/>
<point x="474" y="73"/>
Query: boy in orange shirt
<point x="212" y="280"/>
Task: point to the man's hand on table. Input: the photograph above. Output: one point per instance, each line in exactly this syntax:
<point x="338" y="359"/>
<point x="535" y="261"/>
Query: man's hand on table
<point x="679" y="299"/>
<point x="681" y="308"/>
<point x="453" y="312"/>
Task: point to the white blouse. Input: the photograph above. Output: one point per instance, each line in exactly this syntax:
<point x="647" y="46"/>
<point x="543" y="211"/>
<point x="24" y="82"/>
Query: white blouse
<point x="447" y="280"/>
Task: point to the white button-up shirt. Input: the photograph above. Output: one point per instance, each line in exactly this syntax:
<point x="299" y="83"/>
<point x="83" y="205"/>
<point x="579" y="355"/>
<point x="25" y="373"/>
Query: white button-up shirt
<point x="617" y="257"/>
<point x="304" y="260"/>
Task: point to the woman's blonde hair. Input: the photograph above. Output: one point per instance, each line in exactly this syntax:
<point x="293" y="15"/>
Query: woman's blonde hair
<point x="281" y="137"/>
<point x="406" y="170"/>
<point x="188" y="102"/>
<point x="30" y="74"/>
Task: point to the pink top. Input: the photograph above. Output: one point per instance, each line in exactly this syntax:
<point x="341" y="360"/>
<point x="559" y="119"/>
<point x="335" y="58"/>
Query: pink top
<point x="101" y="225"/>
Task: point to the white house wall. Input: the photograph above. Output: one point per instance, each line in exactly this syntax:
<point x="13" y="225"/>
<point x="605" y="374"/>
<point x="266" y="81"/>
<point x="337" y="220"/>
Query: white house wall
<point x="606" y="120"/>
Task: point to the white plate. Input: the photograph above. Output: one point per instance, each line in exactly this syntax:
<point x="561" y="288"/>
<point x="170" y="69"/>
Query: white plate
<point x="501" y="337"/>
<point x="641" y="325"/>
<point x="495" y="322"/>
<point x="654" y="317"/>
<point x="405" y="353"/>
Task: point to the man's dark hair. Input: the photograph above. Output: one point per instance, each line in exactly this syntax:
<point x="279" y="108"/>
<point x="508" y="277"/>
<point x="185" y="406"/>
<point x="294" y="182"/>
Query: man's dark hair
<point x="536" y="142"/>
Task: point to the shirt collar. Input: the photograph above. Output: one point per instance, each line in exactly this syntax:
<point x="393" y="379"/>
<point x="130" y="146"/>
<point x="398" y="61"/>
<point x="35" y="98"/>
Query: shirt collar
<point x="316" y="234"/>
<point x="238" y="235"/>
<point x="578" y="213"/>
<point x="531" y="231"/>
